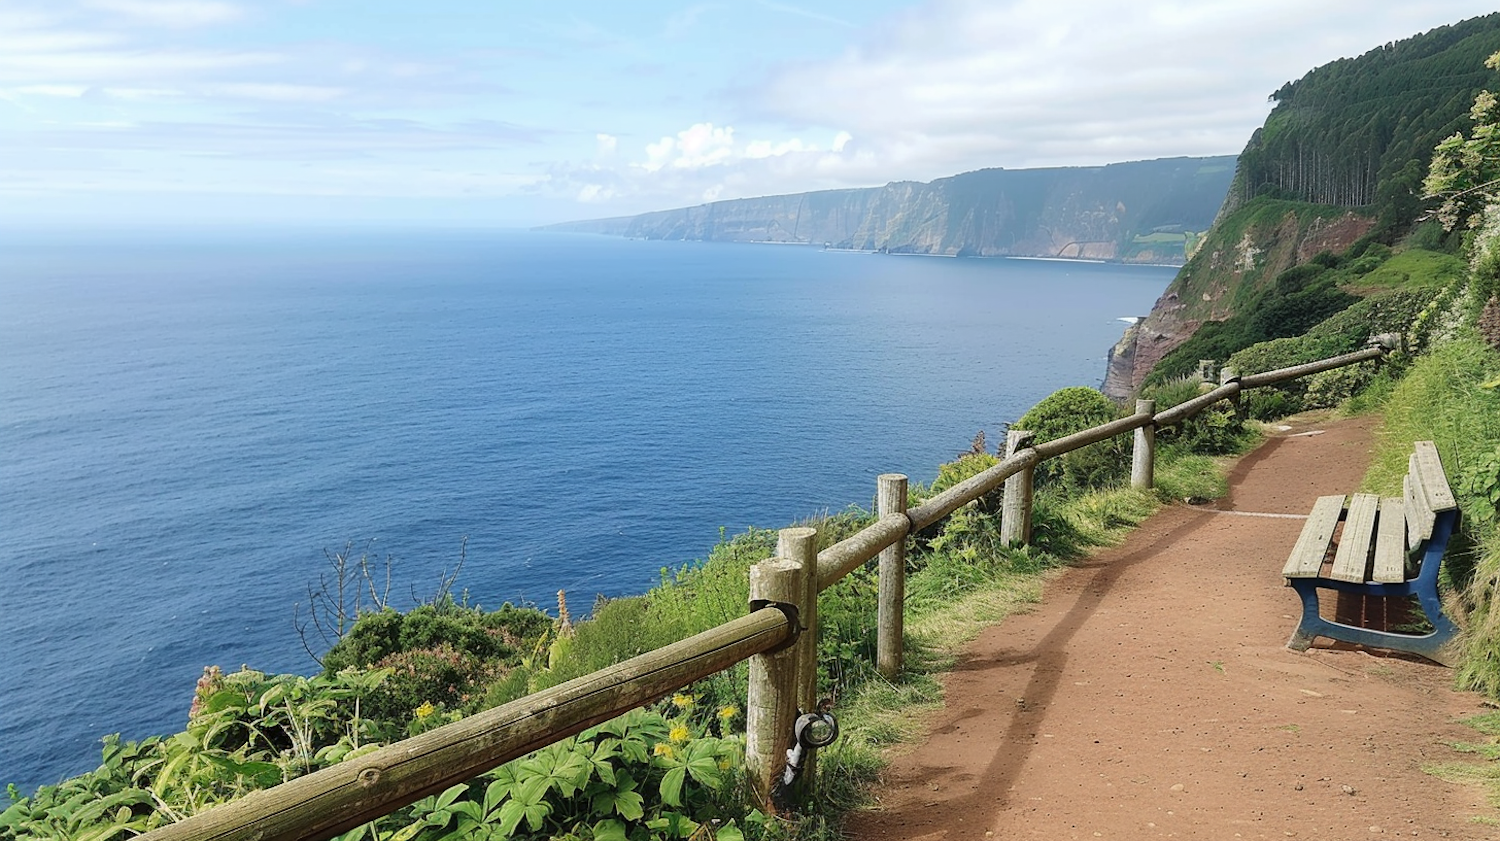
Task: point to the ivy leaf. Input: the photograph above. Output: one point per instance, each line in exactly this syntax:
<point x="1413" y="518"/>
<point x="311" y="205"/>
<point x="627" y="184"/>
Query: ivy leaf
<point x="626" y="803"/>
<point x="702" y="762"/>
<point x="729" y="833"/>
<point x="514" y="811"/>
<point x="674" y="824"/>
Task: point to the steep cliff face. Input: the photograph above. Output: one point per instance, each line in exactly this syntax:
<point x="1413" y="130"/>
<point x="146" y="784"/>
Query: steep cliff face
<point x="1143" y="211"/>
<point x="1341" y="155"/>
<point x="1245" y="251"/>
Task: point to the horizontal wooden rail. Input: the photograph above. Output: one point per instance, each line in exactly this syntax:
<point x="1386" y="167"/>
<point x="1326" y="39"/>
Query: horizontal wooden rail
<point x="1273" y="377"/>
<point x="1186" y="409"/>
<point x="970" y="489"/>
<point x="344" y="796"/>
<point x="1092" y="435"/>
<point x="848" y="554"/>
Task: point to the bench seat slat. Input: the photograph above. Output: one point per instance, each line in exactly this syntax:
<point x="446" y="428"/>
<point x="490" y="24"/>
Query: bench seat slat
<point x="1390" y="542"/>
<point x="1353" y="555"/>
<point x="1312" y="545"/>
<point x="1435" y="487"/>
<point x="1419" y="518"/>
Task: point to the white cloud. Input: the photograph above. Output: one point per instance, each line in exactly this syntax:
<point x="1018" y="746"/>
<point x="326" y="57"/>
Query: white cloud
<point x="177" y="14"/>
<point x="606" y="144"/>
<point x="951" y="85"/>
<point x="595" y="193"/>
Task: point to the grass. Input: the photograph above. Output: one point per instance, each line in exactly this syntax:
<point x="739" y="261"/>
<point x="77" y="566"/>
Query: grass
<point x="1414" y="268"/>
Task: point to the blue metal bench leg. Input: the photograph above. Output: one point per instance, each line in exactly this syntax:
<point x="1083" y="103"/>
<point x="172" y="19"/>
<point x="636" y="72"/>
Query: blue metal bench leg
<point x="1307" y="629"/>
<point x="1436" y="646"/>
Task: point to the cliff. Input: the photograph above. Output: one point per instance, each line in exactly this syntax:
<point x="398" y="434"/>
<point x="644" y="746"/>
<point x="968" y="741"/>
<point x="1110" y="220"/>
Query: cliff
<point x="1244" y="252"/>
<point x="1340" y="157"/>
<point x="1142" y="211"/>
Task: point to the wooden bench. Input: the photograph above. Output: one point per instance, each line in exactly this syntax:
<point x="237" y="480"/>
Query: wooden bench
<point x="1387" y="547"/>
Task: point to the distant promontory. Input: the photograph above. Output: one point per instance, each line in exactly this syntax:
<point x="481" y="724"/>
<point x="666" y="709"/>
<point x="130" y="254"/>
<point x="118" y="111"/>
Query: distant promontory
<point x="1141" y="211"/>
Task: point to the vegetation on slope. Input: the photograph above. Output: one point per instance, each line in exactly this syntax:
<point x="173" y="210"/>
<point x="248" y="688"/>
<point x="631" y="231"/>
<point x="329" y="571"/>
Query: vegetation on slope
<point x="1358" y="132"/>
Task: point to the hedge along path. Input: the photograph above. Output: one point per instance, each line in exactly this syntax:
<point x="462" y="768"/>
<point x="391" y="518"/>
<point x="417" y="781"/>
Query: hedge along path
<point x="1151" y="695"/>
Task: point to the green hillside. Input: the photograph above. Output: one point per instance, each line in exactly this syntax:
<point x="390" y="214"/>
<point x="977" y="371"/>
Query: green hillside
<point x="1358" y="132"/>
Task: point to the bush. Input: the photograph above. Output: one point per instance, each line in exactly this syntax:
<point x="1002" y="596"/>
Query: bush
<point x="1391" y="312"/>
<point x="441" y="676"/>
<point x="1071" y="410"/>
<point x="498" y="635"/>
<point x="1217" y="430"/>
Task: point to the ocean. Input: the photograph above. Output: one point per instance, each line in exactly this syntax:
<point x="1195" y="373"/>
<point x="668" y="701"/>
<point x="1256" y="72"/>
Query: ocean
<point x="192" y="419"/>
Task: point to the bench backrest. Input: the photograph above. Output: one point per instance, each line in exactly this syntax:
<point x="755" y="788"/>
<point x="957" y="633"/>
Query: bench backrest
<point x="1427" y="492"/>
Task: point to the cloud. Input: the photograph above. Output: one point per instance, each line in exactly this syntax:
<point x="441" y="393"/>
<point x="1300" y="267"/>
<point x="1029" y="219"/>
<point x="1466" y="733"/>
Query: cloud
<point x="90" y="51"/>
<point x="960" y="84"/>
<point x="706" y="162"/>
<point x="177" y="14"/>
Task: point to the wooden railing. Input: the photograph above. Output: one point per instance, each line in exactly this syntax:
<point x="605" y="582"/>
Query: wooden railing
<point x="778" y="636"/>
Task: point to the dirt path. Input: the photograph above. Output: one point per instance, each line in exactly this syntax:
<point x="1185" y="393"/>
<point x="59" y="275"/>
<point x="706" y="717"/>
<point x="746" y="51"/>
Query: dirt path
<point x="1150" y="695"/>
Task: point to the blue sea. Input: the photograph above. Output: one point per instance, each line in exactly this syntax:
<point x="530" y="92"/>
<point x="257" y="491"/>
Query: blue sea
<point x="190" y="420"/>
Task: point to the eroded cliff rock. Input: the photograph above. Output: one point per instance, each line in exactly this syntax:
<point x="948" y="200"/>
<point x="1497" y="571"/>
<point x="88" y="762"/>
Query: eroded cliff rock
<point x="1245" y="250"/>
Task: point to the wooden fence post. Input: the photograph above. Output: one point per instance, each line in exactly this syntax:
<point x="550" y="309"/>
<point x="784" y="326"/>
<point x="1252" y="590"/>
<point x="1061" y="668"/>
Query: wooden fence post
<point x="782" y="683"/>
<point x="1015" y="512"/>
<point x="1143" y="458"/>
<point x="771" y="709"/>
<point x="800" y="545"/>
<point x="1228" y="375"/>
<point x="890" y="616"/>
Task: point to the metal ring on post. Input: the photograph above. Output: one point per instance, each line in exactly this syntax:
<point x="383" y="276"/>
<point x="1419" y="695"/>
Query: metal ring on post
<point x="793" y="620"/>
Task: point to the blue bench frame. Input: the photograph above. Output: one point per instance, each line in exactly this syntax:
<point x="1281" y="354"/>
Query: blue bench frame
<point x="1434" y="646"/>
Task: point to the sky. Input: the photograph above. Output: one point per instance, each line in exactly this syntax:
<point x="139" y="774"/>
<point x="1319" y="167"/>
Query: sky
<point x="516" y="113"/>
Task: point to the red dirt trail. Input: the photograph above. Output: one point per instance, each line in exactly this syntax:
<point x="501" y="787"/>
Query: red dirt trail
<point x="1150" y="695"/>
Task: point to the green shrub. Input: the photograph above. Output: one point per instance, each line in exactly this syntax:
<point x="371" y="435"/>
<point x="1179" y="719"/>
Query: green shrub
<point x="1327" y="389"/>
<point x="496" y="635"/>
<point x="1389" y="312"/>
<point x="1216" y="430"/>
<point x="1071" y="410"/>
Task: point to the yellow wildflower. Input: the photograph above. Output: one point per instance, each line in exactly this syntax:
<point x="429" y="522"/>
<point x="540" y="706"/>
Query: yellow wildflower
<point x="728" y="711"/>
<point x="663" y="749"/>
<point x="426" y="709"/>
<point x="683" y="702"/>
<point x="679" y="733"/>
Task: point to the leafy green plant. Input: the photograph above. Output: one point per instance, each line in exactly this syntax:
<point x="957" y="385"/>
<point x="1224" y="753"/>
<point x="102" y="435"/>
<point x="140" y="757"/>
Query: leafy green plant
<point x="1480" y="481"/>
<point x="645" y="775"/>
<point x="1071" y="410"/>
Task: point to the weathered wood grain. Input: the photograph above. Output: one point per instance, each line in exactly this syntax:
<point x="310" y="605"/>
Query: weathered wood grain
<point x="1312" y="545"/>
<point x="1390" y="542"/>
<point x="1352" y="557"/>
<point x="890" y="617"/>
